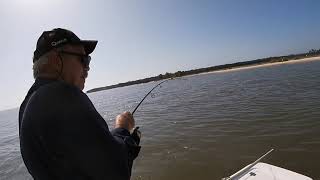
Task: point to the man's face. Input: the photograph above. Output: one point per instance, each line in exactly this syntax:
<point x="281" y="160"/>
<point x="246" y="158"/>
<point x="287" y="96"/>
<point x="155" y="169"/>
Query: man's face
<point x="74" y="72"/>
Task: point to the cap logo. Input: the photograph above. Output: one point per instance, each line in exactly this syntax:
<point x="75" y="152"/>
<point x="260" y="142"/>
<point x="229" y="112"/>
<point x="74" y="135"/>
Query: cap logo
<point x="56" y="43"/>
<point x="51" y="34"/>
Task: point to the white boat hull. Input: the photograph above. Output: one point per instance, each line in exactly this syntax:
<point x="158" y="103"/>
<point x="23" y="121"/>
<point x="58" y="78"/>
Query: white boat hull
<point x="264" y="171"/>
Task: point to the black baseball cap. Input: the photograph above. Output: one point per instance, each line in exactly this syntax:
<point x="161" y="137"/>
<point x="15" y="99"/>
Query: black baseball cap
<point x="59" y="37"/>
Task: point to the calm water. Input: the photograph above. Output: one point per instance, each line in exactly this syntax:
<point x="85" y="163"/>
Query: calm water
<point x="209" y="126"/>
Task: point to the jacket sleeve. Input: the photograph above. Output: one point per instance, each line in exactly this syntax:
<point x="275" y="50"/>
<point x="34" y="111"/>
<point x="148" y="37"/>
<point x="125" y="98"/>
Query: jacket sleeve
<point x="87" y="141"/>
<point x="123" y="136"/>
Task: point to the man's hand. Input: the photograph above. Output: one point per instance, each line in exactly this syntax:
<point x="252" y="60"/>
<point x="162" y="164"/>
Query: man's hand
<point x="125" y="120"/>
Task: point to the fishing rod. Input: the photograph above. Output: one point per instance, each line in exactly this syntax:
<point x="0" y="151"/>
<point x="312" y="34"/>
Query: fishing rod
<point x="147" y="95"/>
<point x="136" y="134"/>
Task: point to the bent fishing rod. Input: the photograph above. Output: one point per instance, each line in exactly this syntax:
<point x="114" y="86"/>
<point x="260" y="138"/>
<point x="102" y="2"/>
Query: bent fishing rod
<point x="147" y="95"/>
<point x="136" y="132"/>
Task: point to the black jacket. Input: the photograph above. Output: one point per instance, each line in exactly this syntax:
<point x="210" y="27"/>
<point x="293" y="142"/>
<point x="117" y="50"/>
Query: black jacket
<point x="62" y="136"/>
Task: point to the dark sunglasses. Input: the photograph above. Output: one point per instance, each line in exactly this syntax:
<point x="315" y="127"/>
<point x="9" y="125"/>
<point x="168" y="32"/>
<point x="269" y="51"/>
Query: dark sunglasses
<point x="85" y="59"/>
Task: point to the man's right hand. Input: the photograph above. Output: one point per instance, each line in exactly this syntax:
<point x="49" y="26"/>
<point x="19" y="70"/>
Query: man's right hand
<point x="125" y="120"/>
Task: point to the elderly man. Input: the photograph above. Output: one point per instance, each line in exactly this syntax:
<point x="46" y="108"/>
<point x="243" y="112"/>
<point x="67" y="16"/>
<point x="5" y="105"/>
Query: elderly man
<point x="62" y="136"/>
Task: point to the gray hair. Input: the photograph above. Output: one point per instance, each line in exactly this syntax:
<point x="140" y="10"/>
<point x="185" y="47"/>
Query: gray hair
<point x="39" y="64"/>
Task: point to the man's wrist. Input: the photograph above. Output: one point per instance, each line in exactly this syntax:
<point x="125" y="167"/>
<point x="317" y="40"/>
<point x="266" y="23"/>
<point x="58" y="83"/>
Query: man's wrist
<point x="124" y="126"/>
<point x="120" y="131"/>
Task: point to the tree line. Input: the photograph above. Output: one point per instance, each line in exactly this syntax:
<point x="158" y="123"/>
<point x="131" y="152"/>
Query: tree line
<point x="311" y="53"/>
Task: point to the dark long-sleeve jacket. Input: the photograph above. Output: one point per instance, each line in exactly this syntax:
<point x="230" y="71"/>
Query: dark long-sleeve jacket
<point x="62" y="136"/>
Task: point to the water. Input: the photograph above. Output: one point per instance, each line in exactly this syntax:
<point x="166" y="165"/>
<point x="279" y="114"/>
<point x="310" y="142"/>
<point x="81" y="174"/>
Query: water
<point x="209" y="126"/>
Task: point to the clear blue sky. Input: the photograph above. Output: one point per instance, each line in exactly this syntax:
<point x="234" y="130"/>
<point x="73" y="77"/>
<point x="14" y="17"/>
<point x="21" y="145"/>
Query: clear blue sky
<point x="142" y="38"/>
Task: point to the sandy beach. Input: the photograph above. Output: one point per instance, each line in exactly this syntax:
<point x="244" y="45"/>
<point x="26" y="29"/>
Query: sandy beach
<point x="268" y="64"/>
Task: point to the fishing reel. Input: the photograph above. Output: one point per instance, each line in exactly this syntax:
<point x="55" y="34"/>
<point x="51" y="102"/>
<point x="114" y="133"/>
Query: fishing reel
<point x="136" y="135"/>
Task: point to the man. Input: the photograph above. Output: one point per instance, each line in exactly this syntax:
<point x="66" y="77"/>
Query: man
<point x="62" y="136"/>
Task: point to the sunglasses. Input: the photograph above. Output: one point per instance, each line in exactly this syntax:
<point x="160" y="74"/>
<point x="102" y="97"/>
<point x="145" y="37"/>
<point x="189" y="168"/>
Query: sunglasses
<point x="85" y="59"/>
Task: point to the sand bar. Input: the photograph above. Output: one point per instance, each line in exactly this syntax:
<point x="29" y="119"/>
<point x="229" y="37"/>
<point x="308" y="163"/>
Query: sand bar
<point x="266" y="64"/>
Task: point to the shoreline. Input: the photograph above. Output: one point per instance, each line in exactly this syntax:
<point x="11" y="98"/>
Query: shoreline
<point x="258" y="63"/>
<point x="263" y="65"/>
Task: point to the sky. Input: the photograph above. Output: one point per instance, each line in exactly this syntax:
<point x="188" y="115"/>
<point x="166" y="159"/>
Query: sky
<point x="143" y="38"/>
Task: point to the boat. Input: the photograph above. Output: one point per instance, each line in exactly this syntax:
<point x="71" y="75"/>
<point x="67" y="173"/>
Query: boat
<point x="263" y="171"/>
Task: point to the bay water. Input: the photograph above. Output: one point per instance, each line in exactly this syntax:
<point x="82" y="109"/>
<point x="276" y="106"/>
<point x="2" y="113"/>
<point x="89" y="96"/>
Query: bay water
<point x="209" y="126"/>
